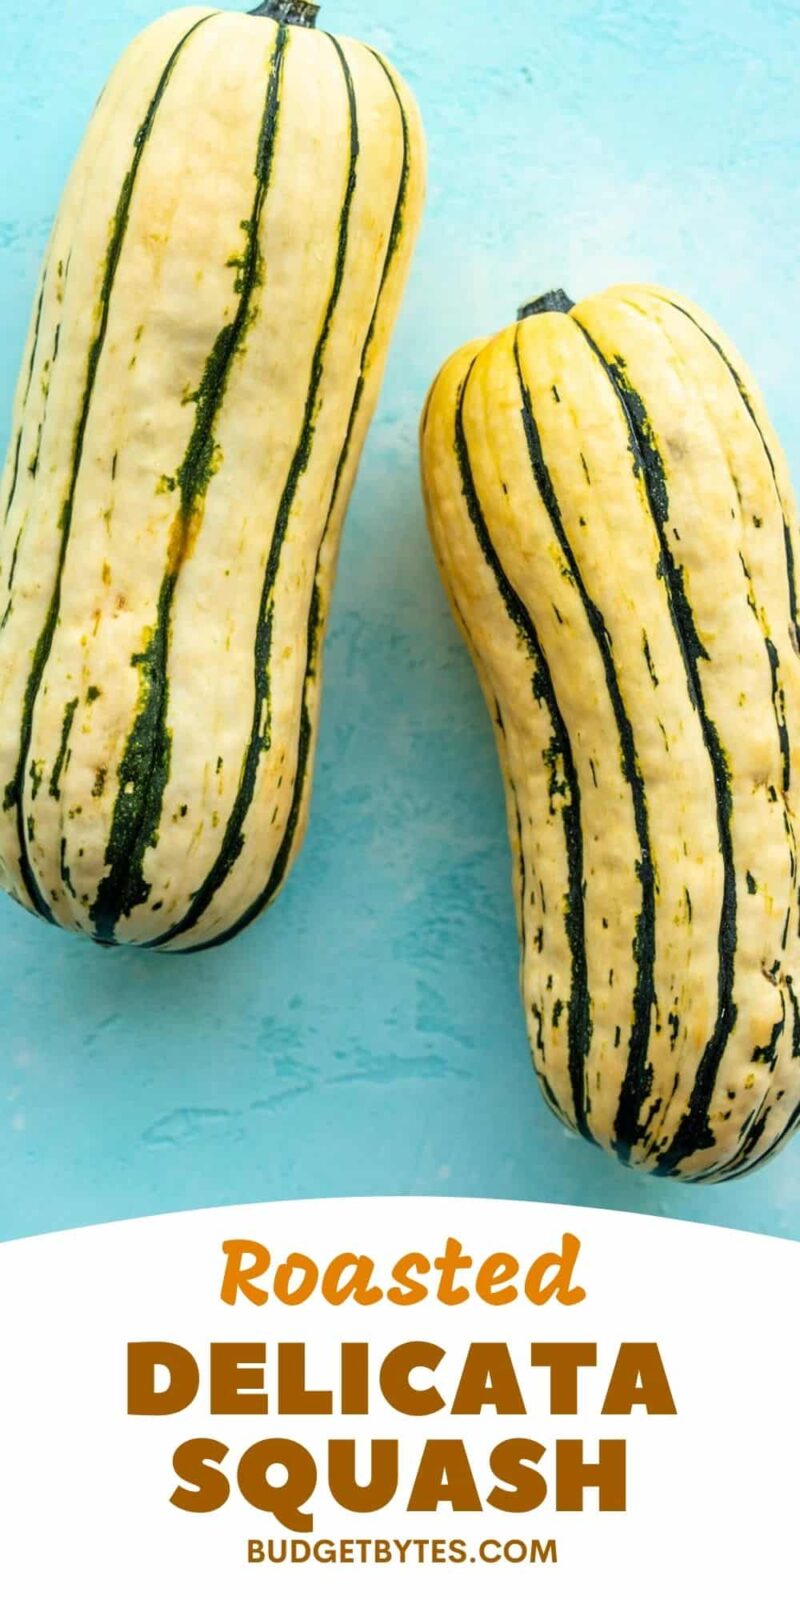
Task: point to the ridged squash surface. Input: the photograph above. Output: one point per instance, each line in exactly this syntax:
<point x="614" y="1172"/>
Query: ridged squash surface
<point x="204" y="356"/>
<point x="614" y="524"/>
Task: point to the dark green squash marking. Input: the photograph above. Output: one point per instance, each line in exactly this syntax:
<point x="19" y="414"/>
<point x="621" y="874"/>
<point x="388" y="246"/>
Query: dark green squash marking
<point x="37" y="328"/>
<point x="231" y="843"/>
<point x="754" y="1126"/>
<point x="795" y="1018"/>
<point x="54" y="788"/>
<point x="694" y="1131"/>
<point x="33" y="464"/>
<point x="18" y="445"/>
<point x="639" y="1074"/>
<point x="753" y="1130"/>
<point x="779" y="710"/>
<point x="523" y="880"/>
<point x="426" y="411"/>
<point x="651" y="1116"/>
<point x="651" y="1145"/>
<point x="538" y="1017"/>
<point x="284" y="851"/>
<point x="13" y="489"/>
<point x="791" y="576"/>
<point x="563" y="776"/>
<point x="553" y="1102"/>
<point x="395" y="235"/>
<point x="143" y="771"/>
<point x="137" y="807"/>
<point x="649" y="659"/>
<point x="770" y="1151"/>
<point x="769" y="1052"/>
<point x="15" y="555"/>
<point x="558" y="1007"/>
<point x="36" y="775"/>
<point x="779" y="704"/>
<point x="778" y="695"/>
<point x="66" y="875"/>
<point x="14" y="790"/>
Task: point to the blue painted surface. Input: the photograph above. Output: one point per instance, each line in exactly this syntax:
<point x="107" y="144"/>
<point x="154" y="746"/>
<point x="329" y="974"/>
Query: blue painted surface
<point x="367" y="1036"/>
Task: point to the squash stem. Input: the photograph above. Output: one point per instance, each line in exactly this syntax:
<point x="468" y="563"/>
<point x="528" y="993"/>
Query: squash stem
<point x="300" y="12"/>
<point x="553" y="300"/>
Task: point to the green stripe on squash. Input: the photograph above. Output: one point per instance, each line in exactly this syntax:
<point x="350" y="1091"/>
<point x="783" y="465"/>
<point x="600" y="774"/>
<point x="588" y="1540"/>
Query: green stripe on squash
<point x="674" y="591"/>
<point x="122" y="813"/>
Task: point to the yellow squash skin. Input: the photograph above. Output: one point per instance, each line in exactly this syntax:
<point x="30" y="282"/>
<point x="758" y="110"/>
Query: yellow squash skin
<point x="204" y="357"/>
<point x="614" y="524"/>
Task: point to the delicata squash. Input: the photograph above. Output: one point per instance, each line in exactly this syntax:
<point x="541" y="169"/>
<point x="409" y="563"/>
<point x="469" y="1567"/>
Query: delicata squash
<point x="614" y="524"/>
<point x="205" y="353"/>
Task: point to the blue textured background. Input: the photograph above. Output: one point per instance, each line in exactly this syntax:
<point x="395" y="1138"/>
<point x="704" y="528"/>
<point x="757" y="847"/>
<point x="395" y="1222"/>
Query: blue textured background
<point x="367" y="1036"/>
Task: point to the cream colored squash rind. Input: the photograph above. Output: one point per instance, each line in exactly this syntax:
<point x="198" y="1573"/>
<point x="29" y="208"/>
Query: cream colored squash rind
<point x="606" y="497"/>
<point x="236" y="234"/>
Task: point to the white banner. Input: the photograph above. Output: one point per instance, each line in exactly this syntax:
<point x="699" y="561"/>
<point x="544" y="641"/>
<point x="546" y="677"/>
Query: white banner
<point x="394" y="1393"/>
